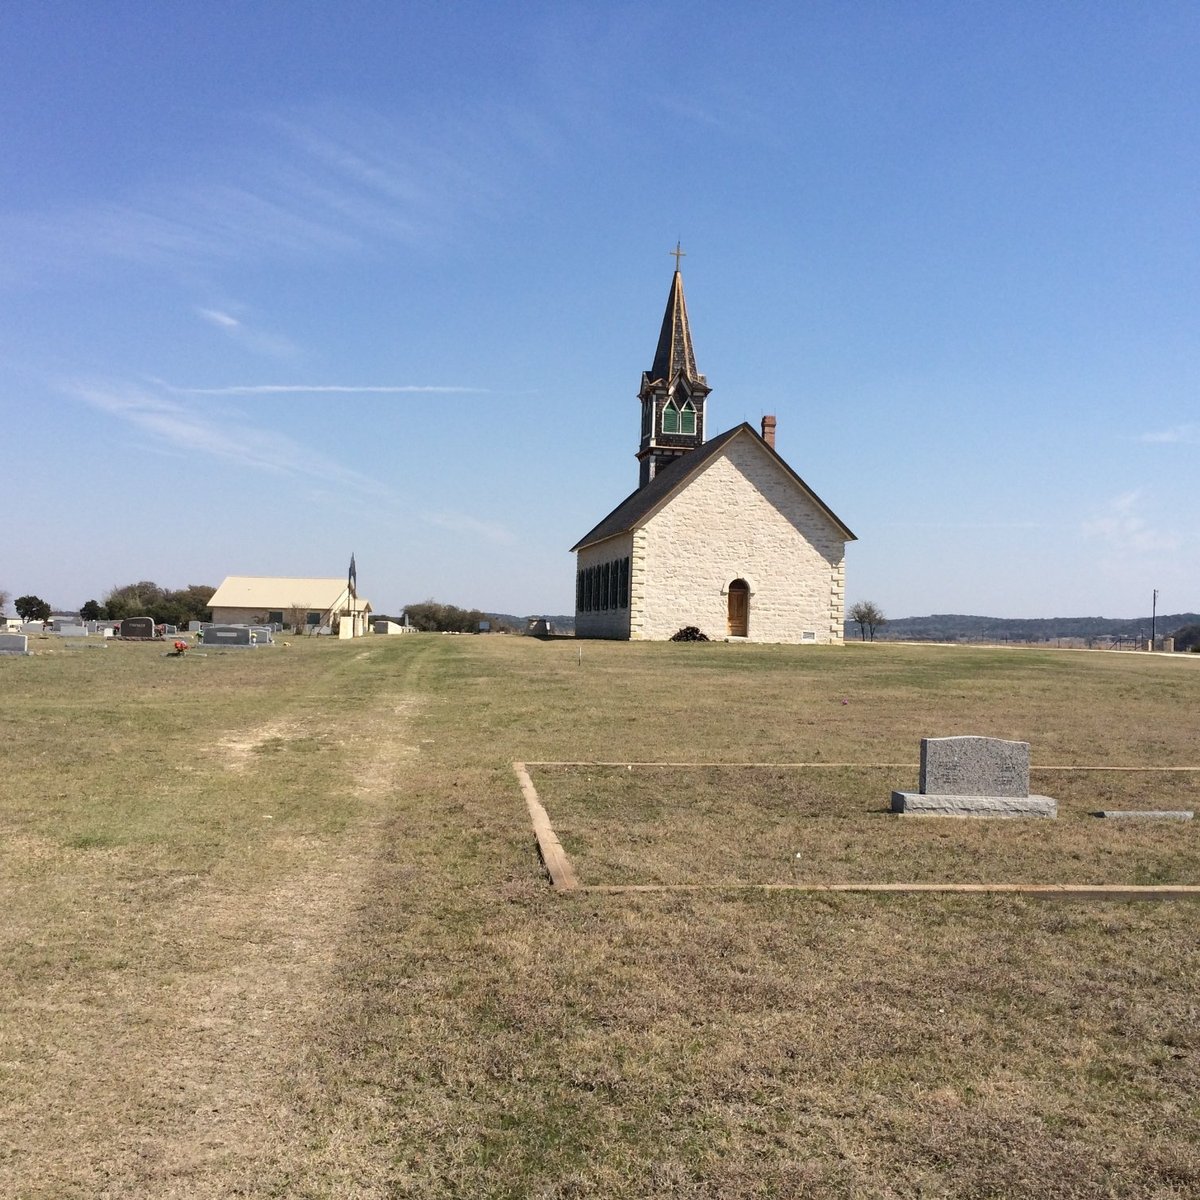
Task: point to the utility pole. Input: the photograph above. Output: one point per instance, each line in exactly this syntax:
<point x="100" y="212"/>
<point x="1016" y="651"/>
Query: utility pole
<point x="1153" y="617"/>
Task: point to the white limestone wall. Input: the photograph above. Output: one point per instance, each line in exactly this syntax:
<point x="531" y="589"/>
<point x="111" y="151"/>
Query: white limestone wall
<point x="240" y="616"/>
<point x="742" y="517"/>
<point x="615" y="622"/>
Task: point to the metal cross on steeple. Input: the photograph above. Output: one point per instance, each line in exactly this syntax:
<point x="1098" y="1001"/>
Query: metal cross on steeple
<point x="678" y="255"/>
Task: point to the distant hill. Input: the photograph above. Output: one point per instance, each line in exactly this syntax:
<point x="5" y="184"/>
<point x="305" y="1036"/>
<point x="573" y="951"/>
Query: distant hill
<point x="954" y="627"/>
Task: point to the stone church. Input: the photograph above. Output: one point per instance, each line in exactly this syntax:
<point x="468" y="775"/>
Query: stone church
<point x="721" y="534"/>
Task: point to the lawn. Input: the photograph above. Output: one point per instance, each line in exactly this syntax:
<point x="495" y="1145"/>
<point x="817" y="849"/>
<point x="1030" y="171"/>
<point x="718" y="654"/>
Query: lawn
<point x="272" y="924"/>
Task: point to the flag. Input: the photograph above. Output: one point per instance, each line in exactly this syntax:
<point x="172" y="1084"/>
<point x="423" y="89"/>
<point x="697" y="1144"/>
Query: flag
<point x="352" y="578"/>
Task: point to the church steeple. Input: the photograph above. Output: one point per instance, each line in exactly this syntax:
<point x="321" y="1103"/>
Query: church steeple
<point x="673" y="391"/>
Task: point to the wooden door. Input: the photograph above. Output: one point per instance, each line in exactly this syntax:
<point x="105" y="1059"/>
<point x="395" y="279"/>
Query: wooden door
<point x="739" y="608"/>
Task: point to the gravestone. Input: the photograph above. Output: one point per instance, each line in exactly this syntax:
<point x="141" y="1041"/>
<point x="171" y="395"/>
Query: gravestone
<point x="974" y="777"/>
<point x="70" y="631"/>
<point x="137" y="629"/>
<point x="974" y="766"/>
<point x="228" y="635"/>
<point x="14" y="643"/>
<point x="262" y="635"/>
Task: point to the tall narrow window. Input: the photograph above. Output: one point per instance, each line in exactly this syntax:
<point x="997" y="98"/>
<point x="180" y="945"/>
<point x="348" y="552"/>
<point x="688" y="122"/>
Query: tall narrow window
<point x="614" y="579"/>
<point x="687" y="418"/>
<point x="670" y="422"/>
<point x="604" y="587"/>
<point x="624" y="583"/>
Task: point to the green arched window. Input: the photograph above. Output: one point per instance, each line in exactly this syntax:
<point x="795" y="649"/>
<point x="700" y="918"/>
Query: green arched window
<point x="687" y="418"/>
<point x="670" y="418"/>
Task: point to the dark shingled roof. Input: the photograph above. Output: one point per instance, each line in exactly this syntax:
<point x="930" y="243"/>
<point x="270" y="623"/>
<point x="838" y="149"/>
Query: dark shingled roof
<point x="634" y="508"/>
<point x="675" y="351"/>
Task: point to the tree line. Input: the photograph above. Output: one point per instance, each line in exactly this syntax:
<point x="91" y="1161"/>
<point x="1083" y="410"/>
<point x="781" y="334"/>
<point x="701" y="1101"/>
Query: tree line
<point x="167" y="606"/>
<point x="431" y="617"/>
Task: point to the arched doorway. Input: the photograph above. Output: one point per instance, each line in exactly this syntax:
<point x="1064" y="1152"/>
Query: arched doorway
<point x="739" y="608"/>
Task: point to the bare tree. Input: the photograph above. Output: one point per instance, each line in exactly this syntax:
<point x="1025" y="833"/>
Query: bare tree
<point x="868" y="617"/>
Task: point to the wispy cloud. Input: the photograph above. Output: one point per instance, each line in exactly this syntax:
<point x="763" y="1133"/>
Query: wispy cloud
<point x="313" y="182"/>
<point x="1187" y="435"/>
<point x="1122" y="528"/>
<point x="220" y="319"/>
<point x="230" y="437"/>
<point x="490" y="531"/>
<point x="272" y="345"/>
<point x="349" y="389"/>
<point x="963" y="525"/>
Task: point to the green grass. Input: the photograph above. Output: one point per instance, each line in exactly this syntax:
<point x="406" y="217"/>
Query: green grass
<point x="272" y="923"/>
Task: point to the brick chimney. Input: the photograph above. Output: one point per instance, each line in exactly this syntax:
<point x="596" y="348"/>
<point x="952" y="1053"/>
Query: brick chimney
<point x="768" y="431"/>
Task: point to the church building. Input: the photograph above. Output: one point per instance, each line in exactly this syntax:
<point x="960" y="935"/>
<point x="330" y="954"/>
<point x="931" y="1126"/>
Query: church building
<point x="721" y="534"/>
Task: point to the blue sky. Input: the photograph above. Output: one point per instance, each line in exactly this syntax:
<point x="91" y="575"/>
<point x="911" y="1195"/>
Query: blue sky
<point x="285" y="281"/>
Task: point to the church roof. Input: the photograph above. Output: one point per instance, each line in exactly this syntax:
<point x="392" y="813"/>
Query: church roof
<point x="257" y="591"/>
<point x="633" y="510"/>
<point x="675" y="351"/>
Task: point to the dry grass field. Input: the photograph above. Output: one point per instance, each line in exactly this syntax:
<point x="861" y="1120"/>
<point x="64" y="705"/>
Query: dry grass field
<point x="272" y="924"/>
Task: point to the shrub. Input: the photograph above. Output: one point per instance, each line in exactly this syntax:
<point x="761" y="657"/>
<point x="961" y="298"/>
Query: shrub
<point x="689" y="633"/>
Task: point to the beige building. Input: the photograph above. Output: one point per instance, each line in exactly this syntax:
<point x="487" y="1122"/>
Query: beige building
<point x="720" y="534"/>
<point x="312" y="604"/>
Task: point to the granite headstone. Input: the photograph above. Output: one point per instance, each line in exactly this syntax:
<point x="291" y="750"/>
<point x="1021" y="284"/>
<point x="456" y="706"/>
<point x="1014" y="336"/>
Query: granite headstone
<point x="974" y="777"/>
<point x="974" y="766"/>
<point x="228" y="635"/>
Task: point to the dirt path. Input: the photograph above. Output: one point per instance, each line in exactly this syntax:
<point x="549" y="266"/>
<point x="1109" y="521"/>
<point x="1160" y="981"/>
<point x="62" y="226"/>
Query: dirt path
<point x="205" y="1038"/>
<point x="240" y="1030"/>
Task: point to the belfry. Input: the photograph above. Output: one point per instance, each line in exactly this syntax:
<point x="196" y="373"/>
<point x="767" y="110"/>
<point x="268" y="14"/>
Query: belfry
<point x="673" y="391"/>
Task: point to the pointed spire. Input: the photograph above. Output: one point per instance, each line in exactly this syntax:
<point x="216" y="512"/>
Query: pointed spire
<point x="675" y="351"/>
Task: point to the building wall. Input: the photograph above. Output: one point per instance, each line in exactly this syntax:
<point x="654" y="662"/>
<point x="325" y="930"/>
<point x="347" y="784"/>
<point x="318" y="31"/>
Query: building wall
<point x="354" y="626"/>
<point x="241" y="616"/>
<point x="742" y="517"/>
<point x="613" y="622"/>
